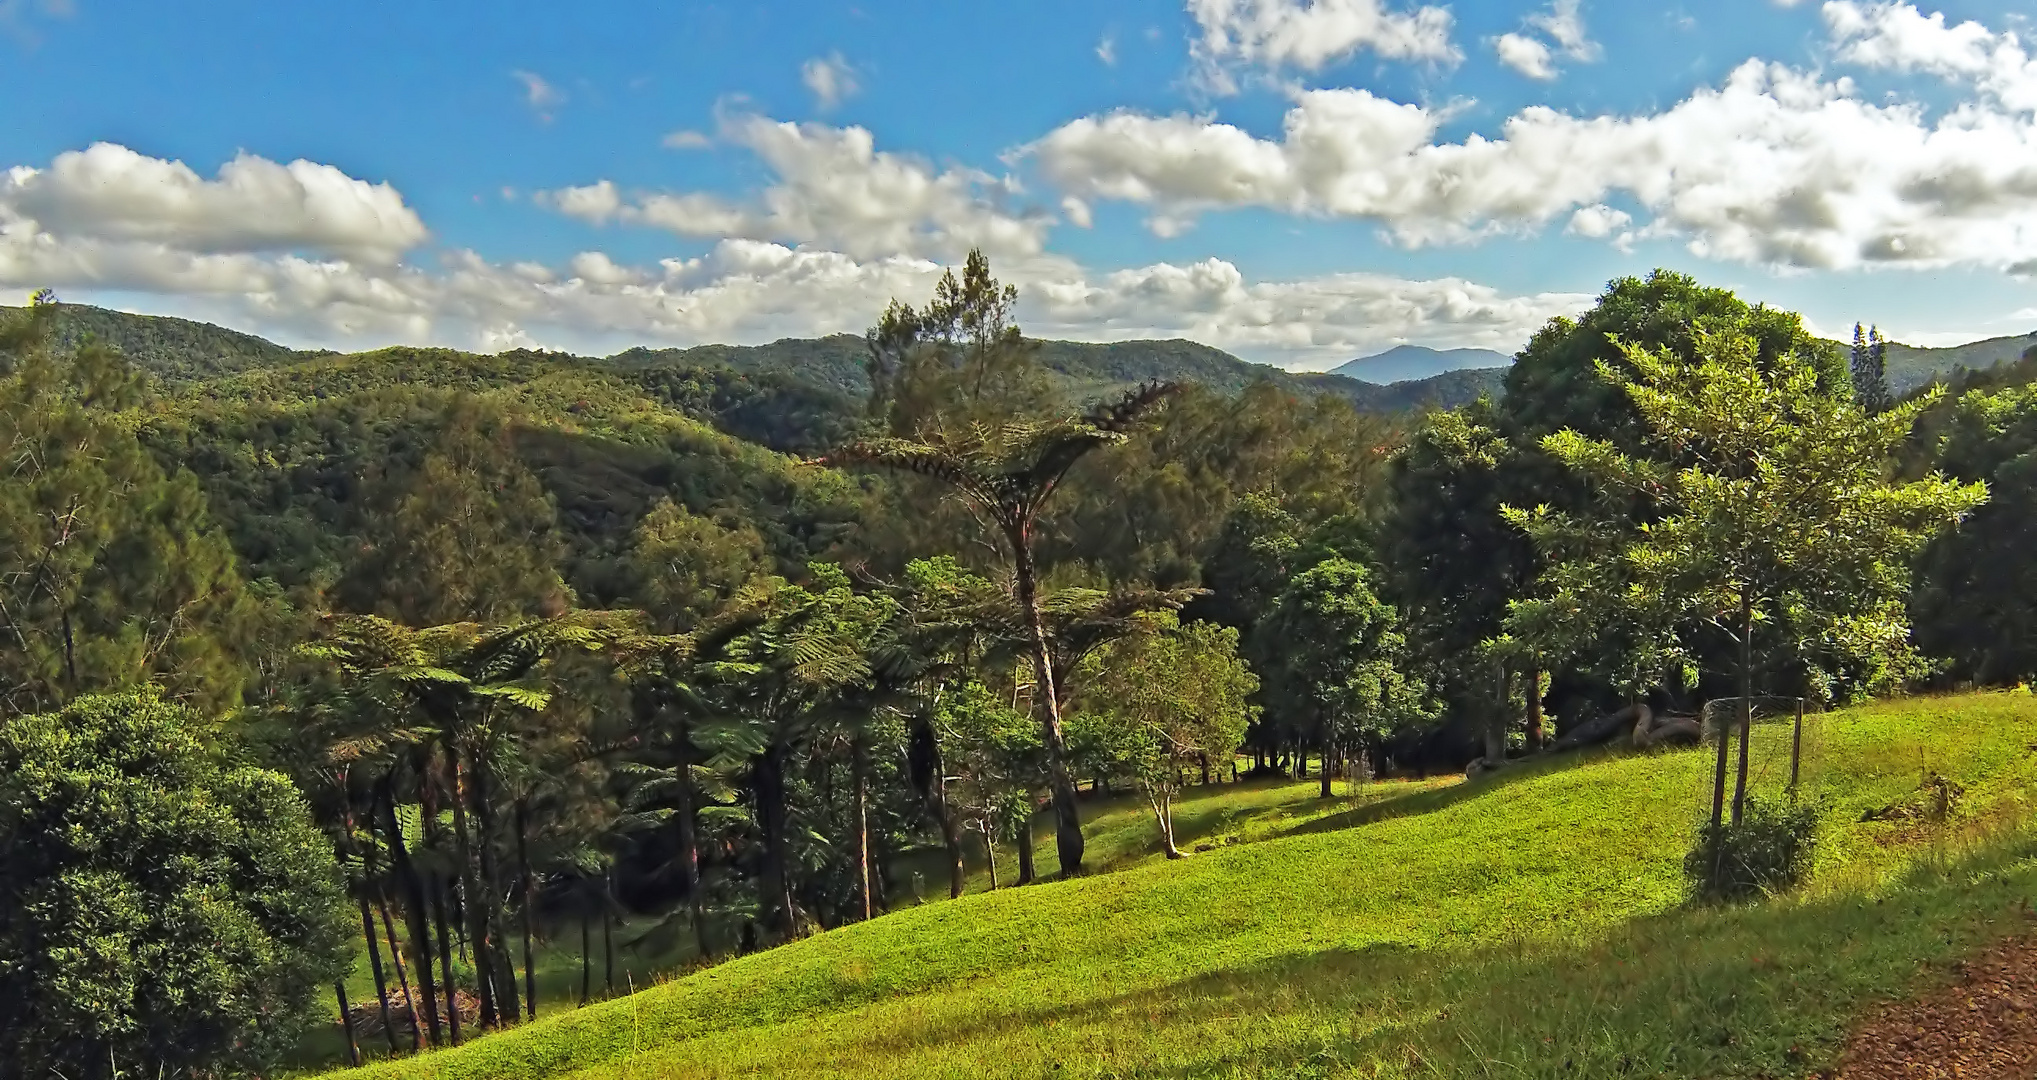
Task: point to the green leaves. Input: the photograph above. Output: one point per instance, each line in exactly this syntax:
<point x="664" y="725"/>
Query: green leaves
<point x="1760" y="500"/>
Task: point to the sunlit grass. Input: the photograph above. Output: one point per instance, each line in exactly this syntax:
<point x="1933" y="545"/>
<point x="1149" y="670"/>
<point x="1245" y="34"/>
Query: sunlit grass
<point x="1532" y="924"/>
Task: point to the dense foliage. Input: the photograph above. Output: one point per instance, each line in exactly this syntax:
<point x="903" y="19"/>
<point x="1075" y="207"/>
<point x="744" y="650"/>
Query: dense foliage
<point x="166" y="907"/>
<point x="542" y="640"/>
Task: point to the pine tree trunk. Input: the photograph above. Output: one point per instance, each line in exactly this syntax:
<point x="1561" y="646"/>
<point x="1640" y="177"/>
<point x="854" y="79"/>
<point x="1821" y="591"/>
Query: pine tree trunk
<point x="420" y="937"/>
<point x="472" y="903"/>
<point x="859" y="764"/>
<point x="530" y="977"/>
<point x="375" y="964"/>
<point x="1067" y="816"/>
<point x="339" y="990"/>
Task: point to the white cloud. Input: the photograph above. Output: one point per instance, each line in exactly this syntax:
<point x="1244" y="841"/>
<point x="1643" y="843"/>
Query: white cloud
<point x="831" y="80"/>
<point x="1563" y="25"/>
<point x="686" y="140"/>
<point x="834" y="189"/>
<point x="1598" y="221"/>
<point x="1525" y="55"/>
<point x="542" y="97"/>
<point x="109" y="192"/>
<point x="1775" y="166"/>
<point x="1898" y="36"/>
<point x="1107" y="51"/>
<point x="1309" y="35"/>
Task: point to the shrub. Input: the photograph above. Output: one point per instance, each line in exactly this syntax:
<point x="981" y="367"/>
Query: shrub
<point x="166" y="910"/>
<point x="1769" y="850"/>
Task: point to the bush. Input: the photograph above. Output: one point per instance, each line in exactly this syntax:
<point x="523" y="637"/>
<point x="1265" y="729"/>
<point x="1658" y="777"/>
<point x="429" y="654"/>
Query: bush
<point x="1769" y="850"/>
<point x="166" y="910"/>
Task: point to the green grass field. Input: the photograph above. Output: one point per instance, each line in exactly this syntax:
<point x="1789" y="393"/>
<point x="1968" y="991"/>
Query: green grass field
<point x="1531" y="924"/>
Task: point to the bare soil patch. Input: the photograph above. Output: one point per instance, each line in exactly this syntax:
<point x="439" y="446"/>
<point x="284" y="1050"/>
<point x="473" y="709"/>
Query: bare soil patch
<point x="1982" y="1027"/>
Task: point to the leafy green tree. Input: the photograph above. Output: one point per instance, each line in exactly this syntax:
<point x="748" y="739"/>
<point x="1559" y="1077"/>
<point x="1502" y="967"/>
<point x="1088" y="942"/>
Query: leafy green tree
<point x="958" y="361"/>
<point x="1771" y="519"/>
<point x="1176" y="695"/>
<point x="111" y="574"/>
<point x="1976" y="597"/>
<point x="1342" y="665"/>
<point x="1009" y="472"/>
<point x="467" y="535"/>
<point x="167" y="908"/>
<point x="689" y="565"/>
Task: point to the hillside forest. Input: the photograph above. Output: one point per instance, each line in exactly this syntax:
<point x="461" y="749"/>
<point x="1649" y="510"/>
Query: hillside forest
<point x="428" y="657"/>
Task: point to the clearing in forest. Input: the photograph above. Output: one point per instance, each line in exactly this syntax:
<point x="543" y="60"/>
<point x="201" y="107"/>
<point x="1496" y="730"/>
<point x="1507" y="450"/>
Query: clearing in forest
<point x="1529" y="924"/>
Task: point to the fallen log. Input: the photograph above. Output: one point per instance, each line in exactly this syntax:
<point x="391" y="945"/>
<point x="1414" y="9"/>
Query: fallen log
<point x="1652" y="731"/>
<point x="1604" y="729"/>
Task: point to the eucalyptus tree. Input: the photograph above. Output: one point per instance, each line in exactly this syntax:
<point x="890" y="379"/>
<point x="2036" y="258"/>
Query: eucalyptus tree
<point x="1771" y="516"/>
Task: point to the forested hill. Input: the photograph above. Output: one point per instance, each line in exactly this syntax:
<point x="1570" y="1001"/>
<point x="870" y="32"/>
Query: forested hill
<point x="821" y="373"/>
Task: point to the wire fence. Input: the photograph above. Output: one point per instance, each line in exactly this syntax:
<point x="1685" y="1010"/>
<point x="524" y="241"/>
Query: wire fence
<point x="1785" y="753"/>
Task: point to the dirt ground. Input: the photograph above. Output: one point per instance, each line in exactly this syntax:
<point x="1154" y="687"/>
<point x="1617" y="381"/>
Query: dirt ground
<point x="1982" y="1027"/>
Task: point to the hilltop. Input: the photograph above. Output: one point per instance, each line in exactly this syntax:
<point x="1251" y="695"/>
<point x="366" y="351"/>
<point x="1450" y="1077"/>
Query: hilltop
<point x="1408" y="928"/>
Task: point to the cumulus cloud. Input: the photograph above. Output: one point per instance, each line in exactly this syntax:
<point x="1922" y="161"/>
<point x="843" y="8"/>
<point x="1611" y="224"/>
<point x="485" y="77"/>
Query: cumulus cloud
<point x="542" y="97"/>
<point x="834" y="188"/>
<point x="1309" y="35"/>
<point x="1563" y="27"/>
<point x="830" y="79"/>
<point x="1776" y="166"/>
<point x="108" y="192"/>
<point x="1898" y="36"/>
<point x="1525" y="55"/>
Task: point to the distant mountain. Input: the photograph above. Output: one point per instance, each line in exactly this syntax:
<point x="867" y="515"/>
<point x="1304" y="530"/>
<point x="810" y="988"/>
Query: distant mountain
<point x="1405" y="363"/>
<point x="1910" y="367"/>
<point x="173" y="349"/>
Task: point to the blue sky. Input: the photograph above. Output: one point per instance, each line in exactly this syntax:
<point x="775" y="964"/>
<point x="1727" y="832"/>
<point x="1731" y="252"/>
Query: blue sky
<point x="1299" y="181"/>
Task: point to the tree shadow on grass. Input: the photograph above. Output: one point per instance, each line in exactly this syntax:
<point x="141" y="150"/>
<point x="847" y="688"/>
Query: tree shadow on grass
<point x="1767" y="989"/>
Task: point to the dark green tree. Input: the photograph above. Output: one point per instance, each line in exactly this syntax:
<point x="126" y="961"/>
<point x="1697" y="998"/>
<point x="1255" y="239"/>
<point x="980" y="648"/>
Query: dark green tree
<point x="167" y="908"/>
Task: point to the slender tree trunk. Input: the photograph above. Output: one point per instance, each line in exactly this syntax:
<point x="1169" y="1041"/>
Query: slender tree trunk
<point x="951" y="839"/>
<point x="859" y="763"/>
<point x="1535" y="710"/>
<point x="586" y="957"/>
<point x="500" y="964"/>
<point x="1162" y="803"/>
<point x="689" y="834"/>
<point x="439" y="904"/>
<point x="429" y="782"/>
<point x="1067" y="816"/>
<point x="608" y="929"/>
<point x="530" y="971"/>
<point x="402" y="976"/>
<point x="1205" y="768"/>
<point x="375" y="964"/>
<point x="471" y="896"/>
<point x="420" y="937"/>
<point x="1746" y="719"/>
<point x="1025" y="844"/>
<point x="990" y="854"/>
<point x="339" y="990"/>
<point x="774" y="884"/>
<point x="1329" y="750"/>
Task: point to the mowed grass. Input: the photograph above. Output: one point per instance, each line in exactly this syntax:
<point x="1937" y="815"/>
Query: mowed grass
<point x="1531" y="924"/>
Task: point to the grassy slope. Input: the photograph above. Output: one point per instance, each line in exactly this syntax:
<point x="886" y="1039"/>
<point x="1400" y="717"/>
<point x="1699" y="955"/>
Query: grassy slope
<point x="1529" y="925"/>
